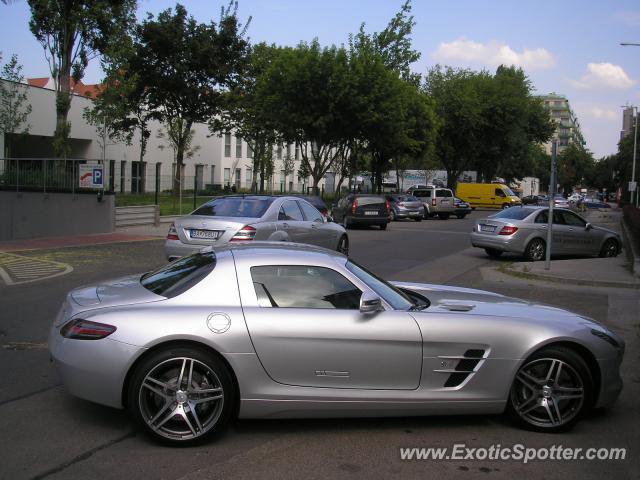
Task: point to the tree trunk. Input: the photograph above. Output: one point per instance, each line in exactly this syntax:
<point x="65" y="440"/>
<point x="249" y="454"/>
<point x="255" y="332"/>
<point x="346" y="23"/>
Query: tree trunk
<point x="63" y="97"/>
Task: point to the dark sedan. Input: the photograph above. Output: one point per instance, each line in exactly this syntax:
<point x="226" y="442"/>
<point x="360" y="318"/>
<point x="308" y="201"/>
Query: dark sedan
<point x="362" y="209"/>
<point x="462" y="208"/>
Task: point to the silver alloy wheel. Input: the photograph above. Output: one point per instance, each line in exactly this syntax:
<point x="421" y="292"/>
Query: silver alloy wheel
<point x="610" y="248"/>
<point x="343" y="245"/>
<point x="536" y="250"/>
<point x="547" y="392"/>
<point x="181" y="398"/>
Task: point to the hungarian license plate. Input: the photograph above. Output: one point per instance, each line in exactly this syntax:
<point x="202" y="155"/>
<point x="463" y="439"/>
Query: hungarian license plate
<point x="205" y="234"/>
<point x="371" y="212"/>
<point x="487" y="228"/>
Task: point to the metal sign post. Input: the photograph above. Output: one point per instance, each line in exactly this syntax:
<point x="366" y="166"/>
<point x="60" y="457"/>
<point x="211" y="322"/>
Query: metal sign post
<point x="552" y="191"/>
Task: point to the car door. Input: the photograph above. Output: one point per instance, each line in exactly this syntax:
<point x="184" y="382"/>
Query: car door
<point x="291" y="221"/>
<point x="317" y="232"/>
<point x="580" y="241"/>
<point x="307" y="330"/>
<point x="558" y="234"/>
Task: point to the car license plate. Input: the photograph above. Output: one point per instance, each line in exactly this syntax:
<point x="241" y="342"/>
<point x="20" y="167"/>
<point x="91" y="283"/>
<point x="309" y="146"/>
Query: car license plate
<point x="204" y="234"/>
<point x="487" y="228"/>
<point x="370" y="212"/>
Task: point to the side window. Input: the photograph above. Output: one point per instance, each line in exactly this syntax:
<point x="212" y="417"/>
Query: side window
<point x="572" y="219"/>
<point x="500" y="193"/>
<point x="558" y="219"/>
<point x="310" y="212"/>
<point x="444" y="193"/>
<point x="299" y="286"/>
<point x="290" y="211"/>
<point x="543" y="217"/>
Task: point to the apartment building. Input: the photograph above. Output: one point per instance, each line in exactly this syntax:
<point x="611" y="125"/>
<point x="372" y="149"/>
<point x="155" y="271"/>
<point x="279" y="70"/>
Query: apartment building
<point x="567" y="125"/>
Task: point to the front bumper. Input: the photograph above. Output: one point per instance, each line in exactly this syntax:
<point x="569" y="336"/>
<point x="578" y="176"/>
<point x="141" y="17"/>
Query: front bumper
<point x="92" y="369"/>
<point x="610" y="381"/>
<point x="401" y="213"/>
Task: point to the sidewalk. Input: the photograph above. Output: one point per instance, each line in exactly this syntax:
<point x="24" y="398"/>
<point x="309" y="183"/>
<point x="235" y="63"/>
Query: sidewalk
<point x="77" y="240"/>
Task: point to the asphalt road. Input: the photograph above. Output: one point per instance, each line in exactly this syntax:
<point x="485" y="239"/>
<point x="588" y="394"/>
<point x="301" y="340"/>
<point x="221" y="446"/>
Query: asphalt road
<point x="45" y="433"/>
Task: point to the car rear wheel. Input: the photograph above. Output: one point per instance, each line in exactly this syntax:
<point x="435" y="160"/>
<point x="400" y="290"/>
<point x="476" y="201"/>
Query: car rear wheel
<point x="536" y="250"/>
<point x="461" y="215"/>
<point x="383" y="226"/>
<point x="345" y="223"/>
<point x="418" y="219"/>
<point x="505" y="205"/>
<point x="551" y="391"/>
<point x="443" y="216"/>
<point x="610" y="248"/>
<point x="181" y="395"/>
<point x="493" y="253"/>
<point x="343" y="245"/>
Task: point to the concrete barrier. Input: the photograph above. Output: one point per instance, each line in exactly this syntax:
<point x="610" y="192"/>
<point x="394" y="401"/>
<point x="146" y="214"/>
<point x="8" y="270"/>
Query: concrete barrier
<point x="137" y="215"/>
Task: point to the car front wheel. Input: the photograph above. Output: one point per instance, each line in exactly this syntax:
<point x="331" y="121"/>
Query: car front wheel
<point x="181" y="395"/>
<point x="551" y="390"/>
<point x="536" y="250"/>
<point x="610" y="248"/>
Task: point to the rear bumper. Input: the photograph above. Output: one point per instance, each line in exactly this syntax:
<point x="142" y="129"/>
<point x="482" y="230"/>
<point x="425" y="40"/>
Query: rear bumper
<point x="368" y="220"/>
<point x="503" y="243"/>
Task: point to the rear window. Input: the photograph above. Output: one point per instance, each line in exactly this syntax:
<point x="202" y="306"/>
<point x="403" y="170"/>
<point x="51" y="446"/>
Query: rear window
<point x="249" y="207"/>
<point x="444" y="193"/>
<point x="177" y="277"/>
<point x="422" y="193"/>
<point x="370" y="200"/>
<point x="513" y="213"/>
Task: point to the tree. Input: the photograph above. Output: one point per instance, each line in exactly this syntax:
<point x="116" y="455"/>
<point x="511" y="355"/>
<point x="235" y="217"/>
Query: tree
<point x="72" y="32"/>
<point x="187" y="67"/>
<point x="574" y="165"/>
<point x="14" y="105"/>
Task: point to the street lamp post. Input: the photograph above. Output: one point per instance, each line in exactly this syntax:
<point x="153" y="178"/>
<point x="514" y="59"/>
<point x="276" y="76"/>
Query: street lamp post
<point x="635" y="141"/>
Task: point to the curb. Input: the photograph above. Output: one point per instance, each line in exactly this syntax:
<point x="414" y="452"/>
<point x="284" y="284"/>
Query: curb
<point x="548" y="278"/>
<point x="633" y="253"/>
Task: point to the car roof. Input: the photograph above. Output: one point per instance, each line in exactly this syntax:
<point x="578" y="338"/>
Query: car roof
<point x="286" y="249"/>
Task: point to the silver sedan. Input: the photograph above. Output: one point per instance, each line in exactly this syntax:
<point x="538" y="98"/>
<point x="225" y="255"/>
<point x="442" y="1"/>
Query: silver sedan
<point x="523" y="230"/>
<point x="272" y="330"/>
<point x="241" y="218"/>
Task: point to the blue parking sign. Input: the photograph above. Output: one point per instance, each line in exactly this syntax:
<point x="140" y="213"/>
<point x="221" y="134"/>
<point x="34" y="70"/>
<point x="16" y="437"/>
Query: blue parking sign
<point x="97" y="177"/>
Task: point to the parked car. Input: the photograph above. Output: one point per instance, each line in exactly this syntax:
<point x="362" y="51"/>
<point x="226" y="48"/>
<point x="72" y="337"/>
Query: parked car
<point x="273" y="330"/>
<point x="237" y="218"/>
<point x="487" y="195"/>
<point x="524" y="231"/>
<point x="559" y="201"/>
<point x="462" y="208"/>
<point x="592" y="203"/>
<point x="535" y="200"/>
<point x="362" y="209"/>
<point x="404" y="206"/>
<point x="436" y="201"/>
<point x="317" y="202"/>
<point x="417" y="186"/>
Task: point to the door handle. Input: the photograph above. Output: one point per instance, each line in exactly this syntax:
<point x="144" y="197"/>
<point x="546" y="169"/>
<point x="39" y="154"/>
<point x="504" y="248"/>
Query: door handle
<point x="285" y="225"/>
<point x="313" y="225"/>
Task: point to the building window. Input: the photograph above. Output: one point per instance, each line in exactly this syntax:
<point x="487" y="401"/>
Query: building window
<point x="238" y="173"/>
<point x="288" y="150"/>
<point x="279" y="152"/>
<point x="227" y="145"/>
<point x="227" y="176"/>
<point x="297" y="152"/>
<point x="238" y="147"/>
<point x="249" y="177"/>
<point x="249" y="151"/>
<point x="282" y="180"/>
<point x="123" y="173"/>
<point x="213" y="174"/>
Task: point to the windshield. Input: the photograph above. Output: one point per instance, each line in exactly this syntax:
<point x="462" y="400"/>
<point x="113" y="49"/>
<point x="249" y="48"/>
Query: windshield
<point x="177" y="277"/>
<point x="248" y="207"/>
<point x="509" y="192"/>
<point x="513" y="213"/>
<point x="392" y="295"/>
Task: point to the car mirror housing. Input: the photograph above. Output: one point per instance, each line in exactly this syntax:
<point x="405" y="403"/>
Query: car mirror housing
<point x="588" y="226"/>
<point x="370" y="303"/>
<point x="328" y="219"/>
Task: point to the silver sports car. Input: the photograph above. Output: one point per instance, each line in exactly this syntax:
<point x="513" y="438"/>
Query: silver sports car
<point x="241" y="218"/>
<point x="274" y="330"/>
<point x="523" y="230"/>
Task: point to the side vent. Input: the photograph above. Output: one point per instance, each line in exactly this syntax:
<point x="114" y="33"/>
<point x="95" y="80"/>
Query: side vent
<point x="464" y="368"/>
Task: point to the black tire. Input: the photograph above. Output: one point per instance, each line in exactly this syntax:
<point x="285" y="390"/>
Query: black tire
<point x="551" y="391"/>
<point x="418" y="219"/>
<point x="461" y="215"/>
<point x="181" y="414"/>
<point x="536" y="250"/>
<point x="392" y="216"/>
<point x="383" y="226"/>
<point x="343" y="245"/>
<point x="505" y="206"/>
<point x="610" y="248"/>
<point x="493" y="253"/>
<point x="346" y="223"/>
<point x="443" y="216"/>
<point x="425" y="213"/>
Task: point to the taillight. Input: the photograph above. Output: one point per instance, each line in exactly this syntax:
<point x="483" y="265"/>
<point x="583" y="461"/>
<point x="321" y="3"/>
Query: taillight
<point x="508" y="230"/>
<point x="85" y="330"/>
<point x="433" y="202"/>
<point x="173" y="233"/>
<point x="245" y="233"/>
<point x="401" y="204"/>
<point x="388" y="206"/>
<point x="354" y="206"/>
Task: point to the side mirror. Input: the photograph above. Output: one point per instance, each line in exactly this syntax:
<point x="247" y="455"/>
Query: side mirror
<point x="328" y="219"/>
<point x="588" y="226"/>
<point x="370" y="303"/>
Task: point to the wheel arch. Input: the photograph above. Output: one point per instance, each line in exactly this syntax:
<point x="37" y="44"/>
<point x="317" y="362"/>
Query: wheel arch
<point x="175" y="343"/>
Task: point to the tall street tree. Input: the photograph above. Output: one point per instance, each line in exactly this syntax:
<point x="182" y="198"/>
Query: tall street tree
<point x="187" y="67"/>
<point x="72" y="32"/>
<point x="14" y="104"/>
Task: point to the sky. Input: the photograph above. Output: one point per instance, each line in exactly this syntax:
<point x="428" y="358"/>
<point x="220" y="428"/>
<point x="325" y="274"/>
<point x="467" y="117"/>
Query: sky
<point x="570" y="47"/>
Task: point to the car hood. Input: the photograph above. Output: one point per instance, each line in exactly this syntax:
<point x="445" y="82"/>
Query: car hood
<point x="446" y="298"/>
<point x="603" y="229"/>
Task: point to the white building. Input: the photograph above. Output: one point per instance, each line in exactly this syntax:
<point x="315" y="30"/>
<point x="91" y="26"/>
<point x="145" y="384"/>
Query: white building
<point x="217" y="160"/>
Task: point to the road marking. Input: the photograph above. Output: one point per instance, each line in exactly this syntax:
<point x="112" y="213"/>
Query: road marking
<point x="18" y="269"/>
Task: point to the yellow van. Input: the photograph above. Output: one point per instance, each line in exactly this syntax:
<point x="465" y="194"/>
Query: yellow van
<point x="487" y="195"/>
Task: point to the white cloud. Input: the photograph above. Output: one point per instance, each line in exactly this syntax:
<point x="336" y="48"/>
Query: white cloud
<point x="493" y="53"/>
<point x="604" y="75"/>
